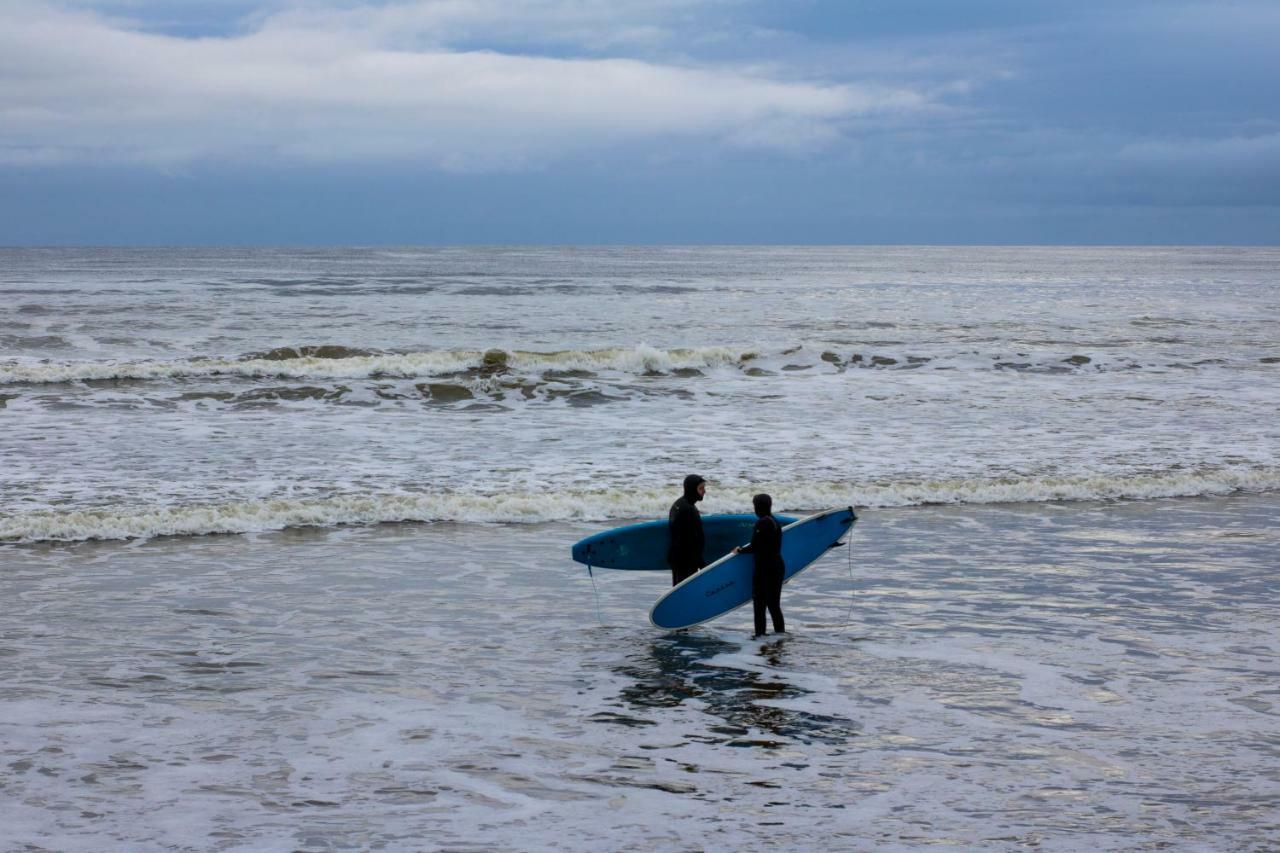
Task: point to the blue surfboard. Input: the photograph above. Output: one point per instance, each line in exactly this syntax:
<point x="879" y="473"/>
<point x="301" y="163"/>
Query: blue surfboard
<point x="643" y="547"/>
<point x="725" y="585"/>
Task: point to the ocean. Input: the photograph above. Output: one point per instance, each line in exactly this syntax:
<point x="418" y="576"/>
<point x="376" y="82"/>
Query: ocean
<point x="284" y="540"/>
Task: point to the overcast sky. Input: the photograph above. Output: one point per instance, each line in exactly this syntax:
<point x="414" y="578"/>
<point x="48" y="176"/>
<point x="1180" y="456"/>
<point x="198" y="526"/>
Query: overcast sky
<point x="639" y="121"/>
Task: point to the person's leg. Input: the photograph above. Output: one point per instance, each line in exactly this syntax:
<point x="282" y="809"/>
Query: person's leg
<point x="775" y="604"/>
<point x="759" y="598"/>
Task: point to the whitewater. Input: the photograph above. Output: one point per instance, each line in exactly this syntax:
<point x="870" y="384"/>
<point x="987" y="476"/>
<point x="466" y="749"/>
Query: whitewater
<point x="148" y="392"/>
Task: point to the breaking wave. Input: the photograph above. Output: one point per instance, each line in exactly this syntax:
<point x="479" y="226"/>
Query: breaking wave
<point x="332" y="362"/>
<point x="141" y="522"/>
<point x="339" y="362"/>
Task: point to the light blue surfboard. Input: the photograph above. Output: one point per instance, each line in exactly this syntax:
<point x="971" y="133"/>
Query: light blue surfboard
<point x="643" y="547"/>
<point x="725" y="585"/>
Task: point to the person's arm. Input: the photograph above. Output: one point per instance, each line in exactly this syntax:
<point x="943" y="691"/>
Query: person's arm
<point x="755" y="540"/>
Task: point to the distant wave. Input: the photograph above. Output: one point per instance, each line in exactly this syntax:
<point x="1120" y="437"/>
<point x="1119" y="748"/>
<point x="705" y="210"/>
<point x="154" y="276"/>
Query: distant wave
<point x="140" y="522"/>
<point x="345" y="363"/>
<point x="332" y="362"/>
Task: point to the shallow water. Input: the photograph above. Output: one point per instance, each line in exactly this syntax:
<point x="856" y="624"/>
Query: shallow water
<point x="1088" y="676"/>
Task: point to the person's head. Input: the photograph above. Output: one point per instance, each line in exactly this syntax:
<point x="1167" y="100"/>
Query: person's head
<point x="763" y="504"/>
<point x="694" y="488"/>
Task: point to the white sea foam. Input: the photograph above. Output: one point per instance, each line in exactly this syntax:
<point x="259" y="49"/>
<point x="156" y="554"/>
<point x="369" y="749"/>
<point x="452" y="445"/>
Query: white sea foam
<point x="140" y="522"/>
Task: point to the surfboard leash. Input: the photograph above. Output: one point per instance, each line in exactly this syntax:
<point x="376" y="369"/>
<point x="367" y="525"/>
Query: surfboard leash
<point x="596" y="591"/>
<point x="848" y="614"/>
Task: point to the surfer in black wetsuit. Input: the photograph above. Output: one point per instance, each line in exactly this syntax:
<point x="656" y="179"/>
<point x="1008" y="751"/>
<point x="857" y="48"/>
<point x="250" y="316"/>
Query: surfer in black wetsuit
<point x="766" y="581"/>
<point x="684" y="554"/>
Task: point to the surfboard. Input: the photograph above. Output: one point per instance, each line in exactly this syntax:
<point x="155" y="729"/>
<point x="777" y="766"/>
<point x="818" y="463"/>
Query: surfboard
<point x="725" y="585"/>
<point x="643" y="547"/>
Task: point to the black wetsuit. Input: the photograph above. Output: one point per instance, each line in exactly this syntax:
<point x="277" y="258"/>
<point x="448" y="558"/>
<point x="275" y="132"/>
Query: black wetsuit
<point x="766" y="582"/>
<point x="684" y="554"/>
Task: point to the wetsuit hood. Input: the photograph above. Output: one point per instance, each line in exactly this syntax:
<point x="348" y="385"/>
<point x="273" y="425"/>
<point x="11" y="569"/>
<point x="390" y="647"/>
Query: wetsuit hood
<point x="763" y="504"/>
<point x="691" y="484"/>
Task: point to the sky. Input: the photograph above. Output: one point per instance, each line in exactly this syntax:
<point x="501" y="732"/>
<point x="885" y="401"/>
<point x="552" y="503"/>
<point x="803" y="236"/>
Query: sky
<point x="429" y="122"/>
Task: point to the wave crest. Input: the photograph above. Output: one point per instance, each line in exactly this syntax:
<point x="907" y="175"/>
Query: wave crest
<point x="335" y="362"/>
<point x="141" y="522"/>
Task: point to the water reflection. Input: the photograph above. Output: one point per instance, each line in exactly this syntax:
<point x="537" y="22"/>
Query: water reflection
<point x="669" y="670"/>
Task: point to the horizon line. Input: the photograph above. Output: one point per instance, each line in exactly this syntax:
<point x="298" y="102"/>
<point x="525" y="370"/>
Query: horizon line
<point x="626" y="245"/>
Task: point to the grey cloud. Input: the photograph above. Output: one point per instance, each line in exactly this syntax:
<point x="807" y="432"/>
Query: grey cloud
<point x="326" y="86"/>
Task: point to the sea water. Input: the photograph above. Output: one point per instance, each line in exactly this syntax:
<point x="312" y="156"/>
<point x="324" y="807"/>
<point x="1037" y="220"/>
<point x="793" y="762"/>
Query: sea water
<point x="1055" y="623"/>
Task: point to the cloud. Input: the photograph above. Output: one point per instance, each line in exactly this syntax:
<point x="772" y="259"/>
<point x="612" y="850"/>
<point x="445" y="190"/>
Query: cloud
<point x="585" y="25"/>
<point x="373" y="83"/>
<point x="582" y="23"/>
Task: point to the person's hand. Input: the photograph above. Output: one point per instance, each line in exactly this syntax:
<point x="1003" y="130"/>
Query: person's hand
<point x="737" y="549"/>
